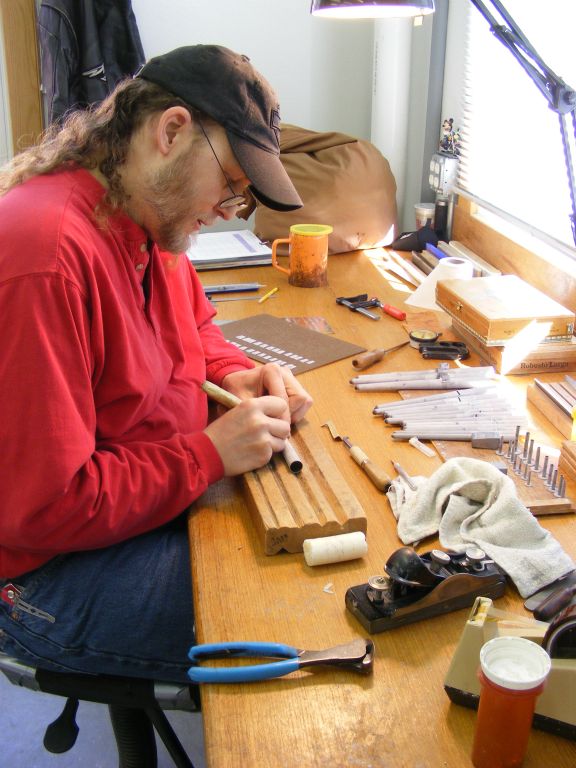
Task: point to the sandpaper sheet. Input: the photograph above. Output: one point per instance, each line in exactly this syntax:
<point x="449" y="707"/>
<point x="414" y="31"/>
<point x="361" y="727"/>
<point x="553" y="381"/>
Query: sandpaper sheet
<point x="270" y="339"/>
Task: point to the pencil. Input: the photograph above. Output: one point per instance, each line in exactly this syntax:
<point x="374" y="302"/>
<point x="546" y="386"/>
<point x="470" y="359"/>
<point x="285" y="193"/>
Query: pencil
<point x="230" y="400"/>
<point x="220" y="395"/>
<point x="267" y="295"/>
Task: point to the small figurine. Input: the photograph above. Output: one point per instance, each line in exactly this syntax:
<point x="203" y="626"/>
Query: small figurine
<point x="450" y="139"/>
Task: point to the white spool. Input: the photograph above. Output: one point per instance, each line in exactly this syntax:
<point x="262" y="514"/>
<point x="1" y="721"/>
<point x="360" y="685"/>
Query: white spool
<point x="335" y="549"/>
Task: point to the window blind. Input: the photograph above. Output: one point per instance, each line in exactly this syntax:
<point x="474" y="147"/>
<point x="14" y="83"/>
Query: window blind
<point x="511" y="146"/>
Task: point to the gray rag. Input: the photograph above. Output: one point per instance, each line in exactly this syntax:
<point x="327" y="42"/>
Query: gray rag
<point x="469" y="501"/>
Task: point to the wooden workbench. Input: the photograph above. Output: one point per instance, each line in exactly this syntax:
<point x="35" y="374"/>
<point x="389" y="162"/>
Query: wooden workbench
<point x="400" y="717"/>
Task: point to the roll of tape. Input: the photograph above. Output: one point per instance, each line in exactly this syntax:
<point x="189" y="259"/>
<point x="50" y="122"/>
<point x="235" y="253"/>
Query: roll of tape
<point x="335" y="549"/>
<point x="449" y="268"/>
<point x="560" y="637"/>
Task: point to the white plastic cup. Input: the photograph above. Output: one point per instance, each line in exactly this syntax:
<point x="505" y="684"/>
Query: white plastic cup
<point x="424" y="213"/>
<point x="512" y="675"/>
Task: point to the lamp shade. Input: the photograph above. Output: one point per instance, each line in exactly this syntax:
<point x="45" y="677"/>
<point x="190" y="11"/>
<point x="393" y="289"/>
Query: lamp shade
<point x="370" y="9"/>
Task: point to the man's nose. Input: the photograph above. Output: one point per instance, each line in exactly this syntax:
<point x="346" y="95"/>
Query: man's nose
<point x="225" y="213"/>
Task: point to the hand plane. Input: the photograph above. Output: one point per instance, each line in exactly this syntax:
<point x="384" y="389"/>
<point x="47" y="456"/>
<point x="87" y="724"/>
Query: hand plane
<point x="421" y="586"/>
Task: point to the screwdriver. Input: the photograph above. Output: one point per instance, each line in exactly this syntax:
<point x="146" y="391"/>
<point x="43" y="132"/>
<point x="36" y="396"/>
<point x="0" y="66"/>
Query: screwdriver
<point x="393" y="311"/>
<point x="369" y="358"/>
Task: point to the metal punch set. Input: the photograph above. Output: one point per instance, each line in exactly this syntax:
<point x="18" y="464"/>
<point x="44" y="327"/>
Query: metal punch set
<point x="524" y="457"/>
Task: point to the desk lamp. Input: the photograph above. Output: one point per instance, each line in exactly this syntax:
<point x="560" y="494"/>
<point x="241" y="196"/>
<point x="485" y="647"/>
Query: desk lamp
<point x="560" y="97"/>
<point x="370" y="9"/>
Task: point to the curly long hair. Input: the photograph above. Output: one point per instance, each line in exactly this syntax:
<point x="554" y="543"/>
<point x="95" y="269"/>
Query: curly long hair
<point x="98" y="137"/>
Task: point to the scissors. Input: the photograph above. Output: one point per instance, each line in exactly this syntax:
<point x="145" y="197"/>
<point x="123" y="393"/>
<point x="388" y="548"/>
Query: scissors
<point x="357" y="656"/>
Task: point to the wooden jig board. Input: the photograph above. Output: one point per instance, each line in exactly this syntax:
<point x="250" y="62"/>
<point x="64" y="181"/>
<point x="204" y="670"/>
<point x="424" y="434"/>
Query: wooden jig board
<point x="536" y="497"/>
<point x="288" y="508"/>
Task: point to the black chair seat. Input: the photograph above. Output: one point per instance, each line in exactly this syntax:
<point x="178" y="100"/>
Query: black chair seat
<point x="136" y="708"/>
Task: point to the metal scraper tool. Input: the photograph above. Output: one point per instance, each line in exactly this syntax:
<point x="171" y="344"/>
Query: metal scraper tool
<point x="378" y="476"/>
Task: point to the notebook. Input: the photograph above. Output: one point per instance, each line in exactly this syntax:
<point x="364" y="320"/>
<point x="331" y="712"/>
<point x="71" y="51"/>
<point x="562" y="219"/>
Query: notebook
<point x="227" y="250"/>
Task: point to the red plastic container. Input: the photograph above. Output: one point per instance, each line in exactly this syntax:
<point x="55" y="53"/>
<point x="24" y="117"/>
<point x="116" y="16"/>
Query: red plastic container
<point x="503" y="725"/>
<point x="512" y="675"/>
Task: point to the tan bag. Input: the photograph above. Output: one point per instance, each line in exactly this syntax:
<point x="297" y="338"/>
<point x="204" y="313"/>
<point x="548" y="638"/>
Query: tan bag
<point x="343" y="181"/>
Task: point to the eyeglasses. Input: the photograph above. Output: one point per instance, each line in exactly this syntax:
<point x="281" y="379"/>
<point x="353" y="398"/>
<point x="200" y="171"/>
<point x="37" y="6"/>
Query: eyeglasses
<point x="235" y="201"/>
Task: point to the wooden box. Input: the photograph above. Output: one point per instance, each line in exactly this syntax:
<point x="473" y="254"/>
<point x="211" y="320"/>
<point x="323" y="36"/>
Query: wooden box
<point x="548" y="408"/>
<point x="518" y="358"/>
<point x="567" y="462"/>
<point x="498" y="308"/>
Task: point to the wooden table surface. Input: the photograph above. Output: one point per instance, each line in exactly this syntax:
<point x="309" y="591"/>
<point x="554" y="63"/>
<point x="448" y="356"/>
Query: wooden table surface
<point x="400" y="716"/>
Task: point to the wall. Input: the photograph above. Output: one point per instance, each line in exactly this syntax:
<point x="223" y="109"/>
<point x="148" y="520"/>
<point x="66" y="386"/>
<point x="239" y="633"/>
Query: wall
<point x="5" y="136"/>
<point x="407" y="102"/>
<point x="321" y="70"/>
<point x="324" y="72"/>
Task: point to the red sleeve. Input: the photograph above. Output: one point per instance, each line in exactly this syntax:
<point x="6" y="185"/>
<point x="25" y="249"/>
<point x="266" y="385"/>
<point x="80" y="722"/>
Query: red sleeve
<point x="221" y="356"/>
<point x="61" y="490"/>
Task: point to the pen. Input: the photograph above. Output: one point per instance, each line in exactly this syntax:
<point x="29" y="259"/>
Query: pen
<point x="232" y="287"/>
<point x="267" y="295"/>
<point x="436" y="251"/>
<point x="227" y="297"/>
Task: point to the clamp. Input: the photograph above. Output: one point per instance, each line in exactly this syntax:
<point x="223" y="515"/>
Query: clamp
<point x="359" y="304"/>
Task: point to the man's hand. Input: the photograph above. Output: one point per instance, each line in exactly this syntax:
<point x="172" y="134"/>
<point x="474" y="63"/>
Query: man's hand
<point x="247" y="435"/>
<point x="271" y="379"/>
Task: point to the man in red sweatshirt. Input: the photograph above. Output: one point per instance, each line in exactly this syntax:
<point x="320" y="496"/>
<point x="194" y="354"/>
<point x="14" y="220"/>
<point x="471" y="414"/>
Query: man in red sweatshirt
<point x="106" y="339"/>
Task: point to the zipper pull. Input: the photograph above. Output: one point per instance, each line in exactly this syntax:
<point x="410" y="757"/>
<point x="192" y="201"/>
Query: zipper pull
<point x="11" y="594"/>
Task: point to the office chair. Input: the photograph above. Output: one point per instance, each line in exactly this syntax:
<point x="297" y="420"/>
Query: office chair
<point x="136" y="708"/>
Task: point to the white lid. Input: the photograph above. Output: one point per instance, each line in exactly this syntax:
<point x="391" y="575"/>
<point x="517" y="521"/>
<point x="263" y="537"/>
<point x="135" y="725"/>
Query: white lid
<point x="514" y="662"/>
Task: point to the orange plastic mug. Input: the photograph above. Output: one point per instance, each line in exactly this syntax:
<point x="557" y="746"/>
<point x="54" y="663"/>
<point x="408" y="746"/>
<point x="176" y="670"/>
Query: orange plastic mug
<point x="308" y="265"/>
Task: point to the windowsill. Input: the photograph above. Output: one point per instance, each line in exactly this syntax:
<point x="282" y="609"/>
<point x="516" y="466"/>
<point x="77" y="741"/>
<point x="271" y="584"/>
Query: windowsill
<point x="549" y="269"/>
<point x="557" y="256"/>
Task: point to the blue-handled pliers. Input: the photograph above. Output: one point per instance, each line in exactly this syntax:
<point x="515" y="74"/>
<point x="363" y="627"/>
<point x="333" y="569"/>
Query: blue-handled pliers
<point x="357" y="656"/>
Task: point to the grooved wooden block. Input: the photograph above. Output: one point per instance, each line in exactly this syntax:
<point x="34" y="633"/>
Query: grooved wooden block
<point x="288" y="508"/>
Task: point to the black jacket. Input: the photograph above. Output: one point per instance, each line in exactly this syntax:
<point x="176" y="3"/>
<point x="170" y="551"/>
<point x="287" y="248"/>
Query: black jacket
<point x="86" y="47"/>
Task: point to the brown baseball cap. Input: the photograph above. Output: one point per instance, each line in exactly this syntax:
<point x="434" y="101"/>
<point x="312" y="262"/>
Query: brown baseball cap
<point x="226" y="87"/>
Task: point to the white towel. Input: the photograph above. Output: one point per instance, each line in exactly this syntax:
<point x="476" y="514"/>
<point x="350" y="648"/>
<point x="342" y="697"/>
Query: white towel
<point x="469" y="501"/>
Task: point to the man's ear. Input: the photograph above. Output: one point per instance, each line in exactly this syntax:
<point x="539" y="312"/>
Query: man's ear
<point x="173" y="125"/>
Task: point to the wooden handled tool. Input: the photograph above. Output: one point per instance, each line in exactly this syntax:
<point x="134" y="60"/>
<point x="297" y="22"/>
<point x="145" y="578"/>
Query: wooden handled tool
<point x="378" y="476"/>
<point x="230" y="400"/>
<point x="369" y="358"/>
<point x="554" y="603"/>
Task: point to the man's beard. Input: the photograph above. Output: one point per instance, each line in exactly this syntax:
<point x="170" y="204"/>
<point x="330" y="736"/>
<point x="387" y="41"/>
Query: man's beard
<point x="170" y="193"/>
